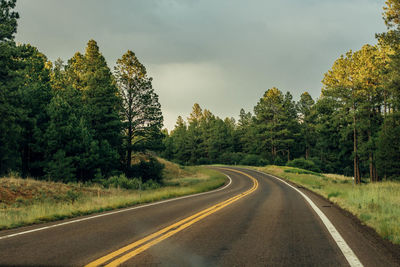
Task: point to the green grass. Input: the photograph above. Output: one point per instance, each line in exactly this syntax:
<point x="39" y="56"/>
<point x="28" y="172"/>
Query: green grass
<point x="27" y="201"/>
<point x="375" y="204"/>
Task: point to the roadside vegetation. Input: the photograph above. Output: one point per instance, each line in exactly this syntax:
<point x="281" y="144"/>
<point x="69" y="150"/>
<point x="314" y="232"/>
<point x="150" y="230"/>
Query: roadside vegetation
<point x="375" y="204"/>
<point x="29" y="201"/>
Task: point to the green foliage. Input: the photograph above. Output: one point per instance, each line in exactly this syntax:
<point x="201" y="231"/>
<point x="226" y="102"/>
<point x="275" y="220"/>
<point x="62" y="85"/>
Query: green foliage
<point x="8" y="20"/>
<point x="388" y="154"/>
<point x="147" y="169"/>
<point x="150" y="184"/>
<point x="231" y="158"/>
<point x="141" y="112"/>
<point x="122" y="181"/>
<point x="253" y="160"/>
<point x="303" y="164"/>
<point x="60" y="167"/>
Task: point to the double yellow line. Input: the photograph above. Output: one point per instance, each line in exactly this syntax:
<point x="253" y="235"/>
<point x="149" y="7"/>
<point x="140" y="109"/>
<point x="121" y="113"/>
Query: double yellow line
<point x="125" y="253"/>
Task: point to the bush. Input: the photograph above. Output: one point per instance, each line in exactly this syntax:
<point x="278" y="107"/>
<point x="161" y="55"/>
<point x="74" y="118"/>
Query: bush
<point x="147" y="169"/>
<point x="279" y="161"/>
<point x="203" y="161"/>
<point x="253" y="160"/>
<point x="231" y="158"/>
<point x="303" y="164"/>
<point x="121" y="181"/>
<point x="150" y="184"/>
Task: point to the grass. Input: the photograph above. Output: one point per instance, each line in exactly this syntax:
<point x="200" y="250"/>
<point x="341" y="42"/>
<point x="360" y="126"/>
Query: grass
<point x="375" y="204"/>
<point x="27" y="201"/>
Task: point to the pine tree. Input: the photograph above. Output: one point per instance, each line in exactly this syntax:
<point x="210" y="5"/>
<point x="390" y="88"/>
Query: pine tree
<point x="307" y="116"/>
<point x="99" y="114"/>
<point x="9" y="98"/>
<point x="388" y="148"/>
<point x="180" y="142"/>
<point x="274" y="114"/>
<point x="194" y="135"/>
<point x="35" y="95"/>
<point x="100" y="96"/>
<point x="142" y="115"/>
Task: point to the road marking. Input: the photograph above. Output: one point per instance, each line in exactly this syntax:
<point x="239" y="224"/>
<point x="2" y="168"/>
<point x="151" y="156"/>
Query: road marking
<point x="118" y="257"/>
<point x="343" y="246"/>
<point x="115" y="212"/>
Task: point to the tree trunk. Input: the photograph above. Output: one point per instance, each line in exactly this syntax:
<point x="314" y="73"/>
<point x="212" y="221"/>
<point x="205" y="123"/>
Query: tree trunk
<point x="357" y="179"/>
<point x="129" y="147"/>
<point x="371" y="168"/>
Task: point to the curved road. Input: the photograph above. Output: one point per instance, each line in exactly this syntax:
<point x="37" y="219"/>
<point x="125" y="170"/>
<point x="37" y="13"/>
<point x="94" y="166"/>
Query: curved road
<point x="256" y="220"/>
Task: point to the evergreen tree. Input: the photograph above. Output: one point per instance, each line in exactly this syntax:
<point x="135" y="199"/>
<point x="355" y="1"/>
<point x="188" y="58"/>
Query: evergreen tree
<point x="35" y="96"/>
<point x="142" y="115"/>
<point x="333" y="147"/>
<point x="307" y="116"/>
<point x="180" y="142"/>
<point x="244" y="133"/>
<point x="100" y="97"/>
<point x="194" y="135"/>
<point x="101" y="106"/>
<point x="276" y="123"/>
<point x="9" y="98"/>
<point x="388" y="148"/>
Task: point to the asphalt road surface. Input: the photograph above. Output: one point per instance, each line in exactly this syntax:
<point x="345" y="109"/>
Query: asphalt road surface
<point x="255" y="220"/>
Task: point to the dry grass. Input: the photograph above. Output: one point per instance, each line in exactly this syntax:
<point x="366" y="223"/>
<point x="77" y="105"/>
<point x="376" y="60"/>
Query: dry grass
<point x="375" y="204"/>
<point x="28" y="201"/>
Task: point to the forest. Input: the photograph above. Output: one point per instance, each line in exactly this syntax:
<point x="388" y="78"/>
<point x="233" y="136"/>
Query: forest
<point x="81" y="121"/>
<point x="353" y="128"/>
<point x="74" y="121"/>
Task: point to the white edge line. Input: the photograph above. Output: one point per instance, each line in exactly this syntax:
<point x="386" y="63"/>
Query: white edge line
<point x="344" y="247"/>
<point x="115" y="212"/>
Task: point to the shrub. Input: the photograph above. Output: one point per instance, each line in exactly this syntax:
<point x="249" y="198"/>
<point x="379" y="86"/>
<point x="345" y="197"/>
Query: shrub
<point x="150" y="184"/>
<point x="147" y="169"/>
<point x="203" y="161"/>
<point x="303" y="164"/>
<point x="122" y="181"/>
<point x="231" y="158"/>
<point x="253" y="160"/>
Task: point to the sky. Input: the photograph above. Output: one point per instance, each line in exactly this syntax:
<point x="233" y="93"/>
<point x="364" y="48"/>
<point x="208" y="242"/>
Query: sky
<point x="222" y="54"/>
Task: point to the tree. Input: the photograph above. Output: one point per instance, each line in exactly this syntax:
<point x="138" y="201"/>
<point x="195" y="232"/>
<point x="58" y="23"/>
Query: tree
<point x="141" y="114"/>
<point x="35" y="96"/>
<point x="276" y="122"/>
<point x="356" y="82"/>
<point x="9" y="99"/>
<point x="101" y="103"/>
<point x="333" y="145"/>
<point x="307" y="114"/>
<point x="8" y="20"/>
<point x="179" y="142"/>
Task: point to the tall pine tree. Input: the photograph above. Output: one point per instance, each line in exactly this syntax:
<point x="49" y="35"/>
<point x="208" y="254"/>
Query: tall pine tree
<point x="141" y="112"/>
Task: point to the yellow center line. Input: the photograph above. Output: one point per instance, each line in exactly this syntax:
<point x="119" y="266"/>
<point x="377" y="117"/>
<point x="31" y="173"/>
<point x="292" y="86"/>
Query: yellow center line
<point x="169" y="230"/>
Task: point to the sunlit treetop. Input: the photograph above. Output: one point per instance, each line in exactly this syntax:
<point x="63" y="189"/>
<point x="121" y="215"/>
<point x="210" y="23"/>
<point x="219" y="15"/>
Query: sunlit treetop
<point x="391" y="13"/>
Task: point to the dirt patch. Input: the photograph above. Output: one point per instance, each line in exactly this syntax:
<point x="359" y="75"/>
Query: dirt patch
<point x="17" y="191"/>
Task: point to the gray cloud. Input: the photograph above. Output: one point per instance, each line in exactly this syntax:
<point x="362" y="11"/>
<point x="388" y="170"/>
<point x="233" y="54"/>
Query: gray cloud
<point x="221" y="54"/>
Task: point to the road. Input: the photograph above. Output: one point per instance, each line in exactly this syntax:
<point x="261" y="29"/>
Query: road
<point x="256" y="220"/>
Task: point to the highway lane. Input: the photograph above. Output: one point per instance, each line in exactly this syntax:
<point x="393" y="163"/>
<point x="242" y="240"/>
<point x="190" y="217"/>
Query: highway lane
<point x="270" y="226"/>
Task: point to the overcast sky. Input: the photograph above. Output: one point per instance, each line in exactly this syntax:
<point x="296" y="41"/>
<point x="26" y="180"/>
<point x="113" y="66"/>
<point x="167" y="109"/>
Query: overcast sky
<point x="221" y="54"/>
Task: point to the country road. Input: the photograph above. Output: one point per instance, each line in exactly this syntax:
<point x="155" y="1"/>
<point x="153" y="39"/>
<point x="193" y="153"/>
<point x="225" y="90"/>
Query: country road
<point x="255" y="220"/>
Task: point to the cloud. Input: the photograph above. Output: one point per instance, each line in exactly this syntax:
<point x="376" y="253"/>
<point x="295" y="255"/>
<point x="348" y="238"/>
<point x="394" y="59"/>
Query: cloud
<point x="221" y="54"/>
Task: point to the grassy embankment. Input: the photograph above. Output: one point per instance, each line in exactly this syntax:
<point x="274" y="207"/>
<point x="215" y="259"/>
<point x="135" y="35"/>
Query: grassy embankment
<point x="375" y="204"/>
<point x="28" y="201"/>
